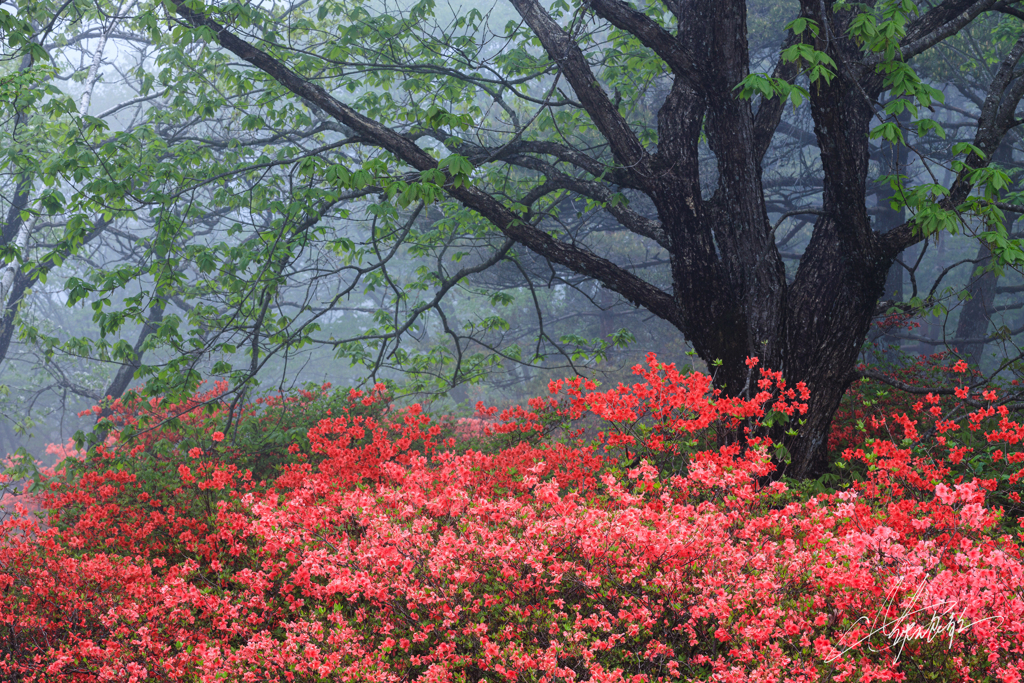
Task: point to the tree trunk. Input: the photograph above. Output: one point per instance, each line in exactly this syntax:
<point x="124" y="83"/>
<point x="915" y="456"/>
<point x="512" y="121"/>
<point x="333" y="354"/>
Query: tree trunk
<point x="826" y="331"/>
<point x="126" y="373"/>
<point x="977" y="311"/>
<point x="976" y="314"/>
<point x="892" y="160"/>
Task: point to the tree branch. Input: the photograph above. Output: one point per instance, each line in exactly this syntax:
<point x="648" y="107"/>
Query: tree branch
<point x="630" y="219"/>
<point x="564" y="153"/>
<point x="564" y="51"/>
<point x="652" y="35"/>
<point x="940" y="23"/>
<point x="997" y="117"/>
<point x="769" y="114"/>
<point x="921" y="391"/>
<point x="126" y="373"/>
<point x="635" y="289"/>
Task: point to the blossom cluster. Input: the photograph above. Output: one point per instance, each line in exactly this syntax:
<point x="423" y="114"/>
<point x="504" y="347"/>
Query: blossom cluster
<point x="385" y="552"/>
<point x="920" y="440"/>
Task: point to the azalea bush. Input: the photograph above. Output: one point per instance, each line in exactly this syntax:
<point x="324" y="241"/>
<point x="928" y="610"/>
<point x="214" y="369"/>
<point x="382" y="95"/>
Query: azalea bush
<point x="381" y="549"/>
<point x="20" y="474"/>
<point x="960" y="437"/>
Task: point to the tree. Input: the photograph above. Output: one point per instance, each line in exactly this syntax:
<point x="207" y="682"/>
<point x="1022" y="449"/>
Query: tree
<point x="658" y="116"/>
<point x="729" y="295"/>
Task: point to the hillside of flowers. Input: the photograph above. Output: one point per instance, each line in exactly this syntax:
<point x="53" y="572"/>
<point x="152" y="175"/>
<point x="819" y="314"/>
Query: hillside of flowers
<point x="595" y="534"/>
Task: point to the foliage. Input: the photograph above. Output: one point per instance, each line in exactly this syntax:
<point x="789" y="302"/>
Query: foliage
<point x="386" y="551"/>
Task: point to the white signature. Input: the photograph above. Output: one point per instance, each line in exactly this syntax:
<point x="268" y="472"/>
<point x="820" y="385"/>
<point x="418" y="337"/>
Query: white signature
<point x="902" y="629"/>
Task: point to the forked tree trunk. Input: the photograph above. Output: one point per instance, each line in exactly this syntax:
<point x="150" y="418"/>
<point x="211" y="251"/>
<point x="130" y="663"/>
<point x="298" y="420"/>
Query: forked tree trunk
<point x="823" y="347"/>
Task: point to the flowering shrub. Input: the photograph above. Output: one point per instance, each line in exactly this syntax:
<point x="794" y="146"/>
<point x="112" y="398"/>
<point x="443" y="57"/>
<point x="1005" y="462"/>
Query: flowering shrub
<point x="16" y="479"/>
<point x="866" y="398"/>
<point x="260" y="432"/>
<point x="923" y="439"/>
<point x="385" y="552"/>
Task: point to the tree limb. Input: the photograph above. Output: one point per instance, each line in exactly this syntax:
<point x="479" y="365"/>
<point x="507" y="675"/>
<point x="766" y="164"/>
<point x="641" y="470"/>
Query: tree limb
<point x="940" y="23"/>
<point x="633" y="288"/>
<point x="997" y="117"/>
<point x="564" y="51"/>
<point x="663" y="43"/>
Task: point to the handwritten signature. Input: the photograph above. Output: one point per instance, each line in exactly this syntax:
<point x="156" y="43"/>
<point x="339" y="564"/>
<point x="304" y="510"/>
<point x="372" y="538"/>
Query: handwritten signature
<point x="903" y="629"/>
